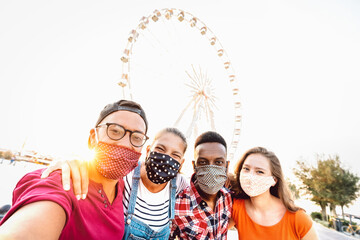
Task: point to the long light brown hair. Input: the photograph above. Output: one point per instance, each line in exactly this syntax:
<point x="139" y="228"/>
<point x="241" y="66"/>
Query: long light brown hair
<point x="280" y="190"/>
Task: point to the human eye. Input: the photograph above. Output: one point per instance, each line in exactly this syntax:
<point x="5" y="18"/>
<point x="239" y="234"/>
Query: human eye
<point x="245" y="169"/>
<point x="260" y="172"/>
<point x="201" y="162"/>
<point x="115" y="130"/>
<point x="176" y="156"/>
<point x="137" y="138"/>
<point x="159" y="149"/>
<point x="219" y="162"/>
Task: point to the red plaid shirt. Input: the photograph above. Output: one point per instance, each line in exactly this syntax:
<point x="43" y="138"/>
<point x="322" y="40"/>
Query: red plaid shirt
<point x="195" y="220"/>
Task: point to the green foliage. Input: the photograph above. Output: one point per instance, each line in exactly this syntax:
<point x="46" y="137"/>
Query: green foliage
<point x="346" y="223"/>
<point x="328" y="182"/>
<point x="293" y="189"/>
<point x="316" y="215"/>
<point x="324" y="223"/>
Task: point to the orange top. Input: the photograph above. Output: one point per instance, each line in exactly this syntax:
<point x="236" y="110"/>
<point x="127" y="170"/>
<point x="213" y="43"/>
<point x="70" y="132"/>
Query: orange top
<point x="291" y="226"/>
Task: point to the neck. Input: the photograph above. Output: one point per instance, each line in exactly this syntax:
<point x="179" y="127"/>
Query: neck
<point x="152" y="187"/>
<point x="262" y="202"/>
<point x="210" y="199"/>
<point x="109" y="185"/>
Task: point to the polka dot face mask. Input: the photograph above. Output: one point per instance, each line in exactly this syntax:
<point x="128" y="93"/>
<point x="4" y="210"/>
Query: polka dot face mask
<point x="114" y="161"/>
<point x="254" y="185"/>
<point x="211" y="178"/>
<point x="161" y="168"/>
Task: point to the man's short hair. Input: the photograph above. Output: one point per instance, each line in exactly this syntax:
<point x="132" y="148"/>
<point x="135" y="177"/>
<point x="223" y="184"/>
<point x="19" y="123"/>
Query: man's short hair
<point x="123" y="105"/>
<point x="209" y="137"/>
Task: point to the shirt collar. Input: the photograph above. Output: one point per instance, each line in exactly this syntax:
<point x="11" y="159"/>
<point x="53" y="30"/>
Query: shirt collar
<point x="195" y="197"/>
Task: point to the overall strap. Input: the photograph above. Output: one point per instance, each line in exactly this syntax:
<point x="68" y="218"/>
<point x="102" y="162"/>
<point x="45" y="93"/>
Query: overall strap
<point x="172" y="199"/>
<point x="134" y="190"/>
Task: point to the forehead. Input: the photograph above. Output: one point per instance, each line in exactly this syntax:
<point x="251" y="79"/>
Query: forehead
<point x="210" y="150"/>
<point x="129" y="120"/>
<point x="257" y="160"/>
<point x="170" y="141"/>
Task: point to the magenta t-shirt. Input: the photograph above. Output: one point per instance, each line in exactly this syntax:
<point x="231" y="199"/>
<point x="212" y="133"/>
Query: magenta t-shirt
<point x="92" y="218"/>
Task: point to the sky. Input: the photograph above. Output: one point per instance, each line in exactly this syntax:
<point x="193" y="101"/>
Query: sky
<point x="296" y="65"/>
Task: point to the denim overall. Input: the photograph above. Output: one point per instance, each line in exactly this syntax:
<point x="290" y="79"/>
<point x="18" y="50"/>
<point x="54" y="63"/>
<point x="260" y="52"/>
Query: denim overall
<point x="136" y="229"/>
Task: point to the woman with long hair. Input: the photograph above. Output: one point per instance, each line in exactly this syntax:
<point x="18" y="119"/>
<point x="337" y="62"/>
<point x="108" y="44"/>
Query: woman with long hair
<point x="263" y="207"/>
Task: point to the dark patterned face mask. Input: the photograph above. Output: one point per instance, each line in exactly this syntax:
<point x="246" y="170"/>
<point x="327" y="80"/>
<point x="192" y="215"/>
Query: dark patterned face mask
<point x="161" y="168"/>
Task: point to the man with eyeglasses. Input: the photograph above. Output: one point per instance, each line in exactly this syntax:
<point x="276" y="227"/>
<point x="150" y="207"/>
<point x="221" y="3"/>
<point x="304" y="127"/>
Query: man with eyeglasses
<point x="42" y="209"/>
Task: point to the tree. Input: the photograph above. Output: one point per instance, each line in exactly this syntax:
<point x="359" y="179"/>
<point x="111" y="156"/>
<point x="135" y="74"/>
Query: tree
<point x="293" y="189"/>
<point x="314" y="183"/>
<point x="346" y="189"/>
<point x="328" y="183"/>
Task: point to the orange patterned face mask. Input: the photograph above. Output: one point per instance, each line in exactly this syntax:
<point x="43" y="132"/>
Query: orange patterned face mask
<point x="114" y="161"/>
<point x="255" y="185"/>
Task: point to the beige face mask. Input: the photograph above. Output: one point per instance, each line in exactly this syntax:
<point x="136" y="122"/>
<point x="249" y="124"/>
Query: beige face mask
<point x="211" y="178"/>
<point x="255" y="185"/>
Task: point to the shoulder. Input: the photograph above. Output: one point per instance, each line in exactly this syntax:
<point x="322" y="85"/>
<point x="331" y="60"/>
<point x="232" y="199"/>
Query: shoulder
<point x="302" y="222"/>
<point x="184" y="197"/>
<point x="184" y="193"/>
<point x="32" y="182"/>
<point x="225" y="192"/>
<point x="302" y="218"/>
<point x="238" y="206"/>
<point x="226" y="196"/>
<point x="31" y="188"/>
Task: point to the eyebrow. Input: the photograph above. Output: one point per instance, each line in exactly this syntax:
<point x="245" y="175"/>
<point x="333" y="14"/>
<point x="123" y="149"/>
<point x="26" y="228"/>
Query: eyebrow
<point x="162" y="145"/>
<point x="247" y="165"/>
<point x="133" y="130"/>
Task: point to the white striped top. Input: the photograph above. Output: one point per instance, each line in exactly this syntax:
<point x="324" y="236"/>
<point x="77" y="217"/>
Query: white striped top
<point x="151" y="208"/>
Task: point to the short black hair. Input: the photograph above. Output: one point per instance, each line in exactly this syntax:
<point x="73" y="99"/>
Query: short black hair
<point x="209" y="137"/>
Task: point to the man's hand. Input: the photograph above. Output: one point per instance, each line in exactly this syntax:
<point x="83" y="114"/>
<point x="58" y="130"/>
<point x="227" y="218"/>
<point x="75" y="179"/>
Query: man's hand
<point x="75" y="169"/>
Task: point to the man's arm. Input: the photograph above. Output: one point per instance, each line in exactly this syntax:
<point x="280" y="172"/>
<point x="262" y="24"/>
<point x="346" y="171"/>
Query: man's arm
<point x="38" y="220"/>
<point x="79" y="174"/>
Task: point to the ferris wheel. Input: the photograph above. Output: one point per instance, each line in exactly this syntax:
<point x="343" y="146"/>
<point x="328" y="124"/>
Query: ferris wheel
<point x="178" y="63"/>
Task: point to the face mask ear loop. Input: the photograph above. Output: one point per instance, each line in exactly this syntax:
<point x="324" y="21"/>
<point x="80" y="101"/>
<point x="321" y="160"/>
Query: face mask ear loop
<point x="96" y="136"/>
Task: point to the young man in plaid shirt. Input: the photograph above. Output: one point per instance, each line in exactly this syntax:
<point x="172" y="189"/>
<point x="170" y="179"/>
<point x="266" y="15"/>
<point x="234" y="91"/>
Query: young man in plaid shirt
<point x="203" y="210"/>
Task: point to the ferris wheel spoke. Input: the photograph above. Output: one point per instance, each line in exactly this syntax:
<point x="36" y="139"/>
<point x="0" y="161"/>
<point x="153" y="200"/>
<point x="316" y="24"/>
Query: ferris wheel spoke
<point x="165" y="49"/>
<point x="210" y="115"/>
<point x="150" y="71"/>
<point x="197" y="78"/>
<point x="194" y="81"/>
<point x="194" y="118"/>
<point x="171" y="44"/>
<point x="183" y="111"/>
<point x="168" y="30"/>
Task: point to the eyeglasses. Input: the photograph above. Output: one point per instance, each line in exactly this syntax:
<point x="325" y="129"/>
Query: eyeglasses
<point x="116" y="132"/>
